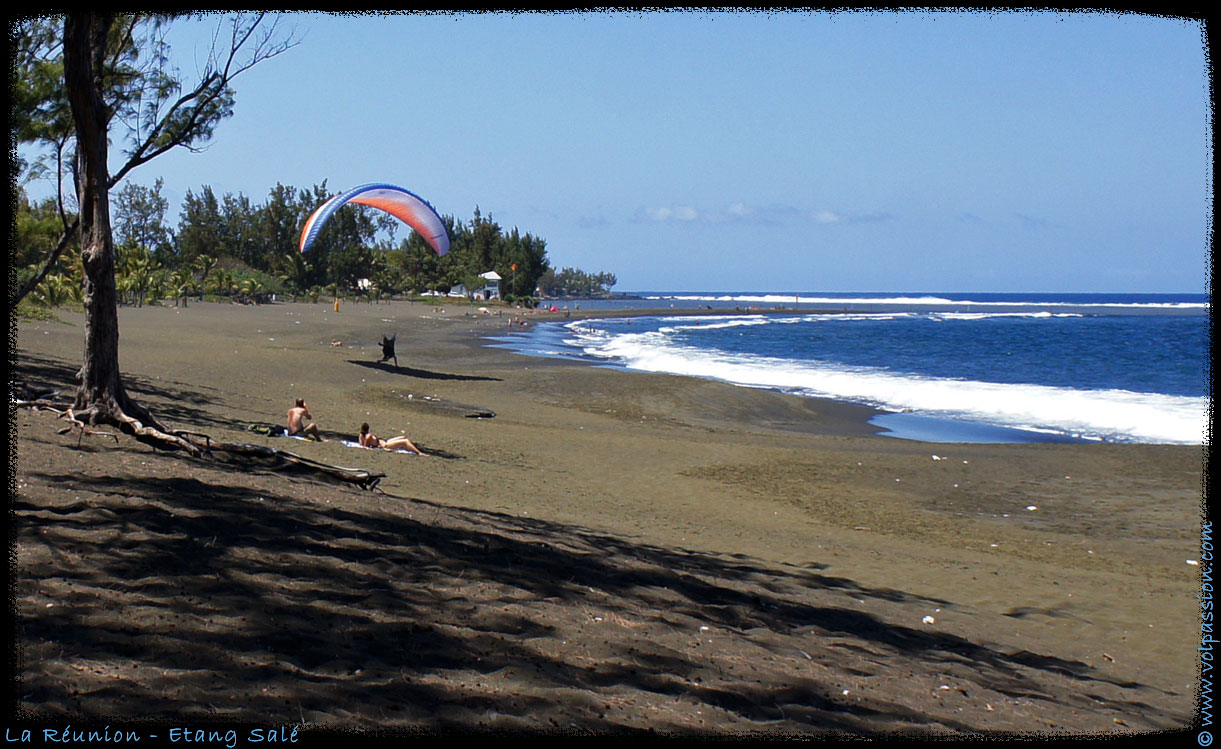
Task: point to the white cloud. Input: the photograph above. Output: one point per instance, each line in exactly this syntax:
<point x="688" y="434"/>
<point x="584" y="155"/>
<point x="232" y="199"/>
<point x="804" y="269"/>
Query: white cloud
<point x="740" y="212"/>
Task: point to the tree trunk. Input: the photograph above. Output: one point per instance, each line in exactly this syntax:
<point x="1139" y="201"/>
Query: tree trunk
<point x="100" y="393"/>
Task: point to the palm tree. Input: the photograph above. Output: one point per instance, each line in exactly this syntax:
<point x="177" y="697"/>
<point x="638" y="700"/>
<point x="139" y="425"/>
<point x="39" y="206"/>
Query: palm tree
<point x="222" y="282"/>
<point x="183" y="284"/>
<point x="141" y="267"/>
<point x="251" y="289"/>
<point x="294" y="270"/>
<point x="157" y="284"/>
<point x="203" y="266"/>
<point x="54" y="290"/>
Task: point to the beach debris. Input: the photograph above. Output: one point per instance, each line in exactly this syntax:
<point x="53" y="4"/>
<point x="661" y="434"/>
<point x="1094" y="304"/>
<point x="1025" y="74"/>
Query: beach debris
<point x="1032" y="508"/>
<point x="335" y="344"/>
<point x="1193" y="563"/>
<point x="1109" y="657"/>
<point x="928" y="620"/>
<point x="938" y="457"/>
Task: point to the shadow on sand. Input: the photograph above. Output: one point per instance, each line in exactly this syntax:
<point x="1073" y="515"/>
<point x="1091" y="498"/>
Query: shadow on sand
<point x="230" y="599"/>
<point x="422" y="374"/>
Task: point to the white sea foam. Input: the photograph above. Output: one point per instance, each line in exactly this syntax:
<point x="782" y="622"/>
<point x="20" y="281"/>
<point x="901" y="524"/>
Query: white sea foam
<point x="715" y="323"/>
<point x="1112" y="415"/>
<point x="914" y="301"/>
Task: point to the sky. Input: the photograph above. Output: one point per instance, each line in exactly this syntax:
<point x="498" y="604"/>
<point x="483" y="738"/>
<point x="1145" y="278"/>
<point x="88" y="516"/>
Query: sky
<point x="754" y="151"/>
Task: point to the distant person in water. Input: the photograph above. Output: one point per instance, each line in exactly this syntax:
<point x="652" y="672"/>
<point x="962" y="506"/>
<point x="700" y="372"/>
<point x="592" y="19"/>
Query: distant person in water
<point x="296" y="422"/>
<point x="368" y="439"/>
<point x="388" y="350"/>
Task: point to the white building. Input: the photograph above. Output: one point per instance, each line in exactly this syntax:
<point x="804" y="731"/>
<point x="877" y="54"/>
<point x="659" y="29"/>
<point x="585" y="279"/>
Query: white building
<point x="489" y="290"/>
<point x="491" y="286"/>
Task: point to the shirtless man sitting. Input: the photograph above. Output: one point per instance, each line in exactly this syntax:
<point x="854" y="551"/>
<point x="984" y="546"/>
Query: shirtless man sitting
<point x="296" y="422"/>
<point x="368" y="439"/>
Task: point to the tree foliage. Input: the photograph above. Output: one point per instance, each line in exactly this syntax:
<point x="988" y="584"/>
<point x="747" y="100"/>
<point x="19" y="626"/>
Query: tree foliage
<point x="570" y="282"/>
<point x="141" y="102"/>
<point x="145" y="107"/>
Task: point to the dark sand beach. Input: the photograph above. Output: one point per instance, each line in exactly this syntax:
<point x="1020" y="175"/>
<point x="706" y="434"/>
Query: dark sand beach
<point x="584" y="550"/>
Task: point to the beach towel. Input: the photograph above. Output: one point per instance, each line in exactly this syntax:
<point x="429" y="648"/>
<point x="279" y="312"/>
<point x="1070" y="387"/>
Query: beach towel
<point x="362" y="447"/>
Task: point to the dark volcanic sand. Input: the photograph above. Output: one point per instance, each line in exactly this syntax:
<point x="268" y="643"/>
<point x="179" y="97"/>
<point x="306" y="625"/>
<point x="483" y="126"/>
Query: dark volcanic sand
<point x="610" y="551"/>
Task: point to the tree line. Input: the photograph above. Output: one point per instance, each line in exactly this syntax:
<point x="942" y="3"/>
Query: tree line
<point x="231" y="246"/>
<point x="86" y="80"/>
<point x="570" y="282"/>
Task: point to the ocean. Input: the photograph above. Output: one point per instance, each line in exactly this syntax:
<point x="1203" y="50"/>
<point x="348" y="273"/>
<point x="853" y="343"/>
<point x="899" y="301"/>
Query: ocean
<point x="942" y="367"/>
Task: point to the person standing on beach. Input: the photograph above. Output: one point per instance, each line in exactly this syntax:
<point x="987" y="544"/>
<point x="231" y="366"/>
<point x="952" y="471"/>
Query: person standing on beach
<point x="388" y="351"/>
<point x="296" y="422"/>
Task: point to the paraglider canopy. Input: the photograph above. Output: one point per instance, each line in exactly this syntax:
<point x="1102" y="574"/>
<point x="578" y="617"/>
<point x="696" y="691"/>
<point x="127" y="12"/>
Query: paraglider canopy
<point x="402" y="204"/>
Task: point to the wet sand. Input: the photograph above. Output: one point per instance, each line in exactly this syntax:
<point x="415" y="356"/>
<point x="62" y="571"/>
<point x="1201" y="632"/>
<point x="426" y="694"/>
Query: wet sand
<point x="585" y="549"/>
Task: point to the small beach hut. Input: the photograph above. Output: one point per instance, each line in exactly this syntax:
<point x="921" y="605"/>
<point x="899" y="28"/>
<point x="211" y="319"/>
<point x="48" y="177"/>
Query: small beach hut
<point x="491" y="286"/>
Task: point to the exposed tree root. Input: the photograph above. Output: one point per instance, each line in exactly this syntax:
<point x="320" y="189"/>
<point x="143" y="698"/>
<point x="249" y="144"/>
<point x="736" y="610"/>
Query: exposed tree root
<point x="197" y="444"/>
<point x="277" y="459"/>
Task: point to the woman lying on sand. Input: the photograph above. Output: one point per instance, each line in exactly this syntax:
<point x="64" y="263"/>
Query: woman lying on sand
<point x="367" y="439"/>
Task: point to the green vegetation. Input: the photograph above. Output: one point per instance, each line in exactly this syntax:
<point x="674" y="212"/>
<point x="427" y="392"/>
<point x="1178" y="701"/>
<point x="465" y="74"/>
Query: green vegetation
<point x="234" y="248"/>
<point x="230" y="245"/>
<point x="571" y="282"/>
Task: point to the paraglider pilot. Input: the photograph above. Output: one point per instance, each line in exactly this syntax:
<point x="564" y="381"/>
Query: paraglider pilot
<point x="388" y="350"/>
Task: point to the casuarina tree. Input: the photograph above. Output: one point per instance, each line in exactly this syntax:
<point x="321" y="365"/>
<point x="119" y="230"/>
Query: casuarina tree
<point x="114" y="70"/>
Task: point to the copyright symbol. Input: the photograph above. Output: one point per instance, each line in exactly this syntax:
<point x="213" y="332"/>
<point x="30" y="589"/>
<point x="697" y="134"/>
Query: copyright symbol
<point x="1205" y="738"/>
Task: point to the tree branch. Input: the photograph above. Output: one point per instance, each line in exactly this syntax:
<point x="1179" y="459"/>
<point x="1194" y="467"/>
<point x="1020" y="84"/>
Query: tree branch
<point x="33" y="281"/>
<point x="186" y="119"/>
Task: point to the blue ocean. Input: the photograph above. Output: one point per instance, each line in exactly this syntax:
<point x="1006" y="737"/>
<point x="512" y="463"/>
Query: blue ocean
<point x="942" y="367"/>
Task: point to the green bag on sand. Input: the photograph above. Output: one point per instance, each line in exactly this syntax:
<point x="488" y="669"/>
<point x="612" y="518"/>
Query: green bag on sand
<point x="268" y="430"/>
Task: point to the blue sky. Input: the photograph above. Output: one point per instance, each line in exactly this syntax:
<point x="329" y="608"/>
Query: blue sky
<point x="695" y="151"/>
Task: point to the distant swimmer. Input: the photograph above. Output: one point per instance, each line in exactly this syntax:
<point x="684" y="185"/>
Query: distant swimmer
<point x="388" y="350"/>
<point x="368" y="439"/>
<point x="296" y="422"/>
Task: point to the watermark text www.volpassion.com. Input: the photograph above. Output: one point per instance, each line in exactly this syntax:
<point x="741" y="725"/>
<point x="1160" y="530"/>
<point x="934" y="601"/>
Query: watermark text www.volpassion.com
<point x="226" y="737"/>
<point x="1205" y="736"/>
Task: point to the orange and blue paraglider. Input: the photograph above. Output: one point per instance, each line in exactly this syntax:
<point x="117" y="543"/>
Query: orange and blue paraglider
<point x="402" y="204"/>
